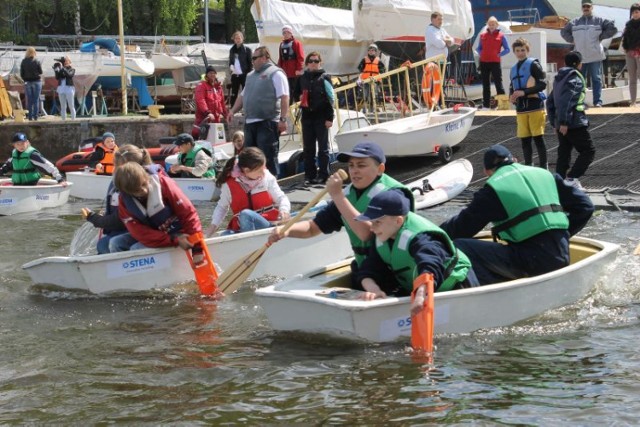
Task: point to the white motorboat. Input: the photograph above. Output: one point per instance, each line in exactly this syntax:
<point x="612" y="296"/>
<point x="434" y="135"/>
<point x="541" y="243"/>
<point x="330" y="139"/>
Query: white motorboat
<point x="15" y="199"/>
<point x="320" y="303"/>
<point x="89" y="185"/>
<point x="148" y="269"/>
<point x="433" y="133"/>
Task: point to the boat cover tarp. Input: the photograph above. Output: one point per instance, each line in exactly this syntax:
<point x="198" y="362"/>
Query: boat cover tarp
<point x="109" y="44"/>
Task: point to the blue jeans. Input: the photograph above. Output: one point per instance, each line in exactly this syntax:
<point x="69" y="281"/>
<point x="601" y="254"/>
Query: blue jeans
<point x="251" y="220"/>
<point x="32" y="92"/>
<point x="104" y="242"/>
<point x="593" y="71"/>
<point x="265" y="136"/>
<point x="123" y="242"/>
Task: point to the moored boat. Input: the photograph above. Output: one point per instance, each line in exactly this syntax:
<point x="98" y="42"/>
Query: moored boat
<point x="320" y="303"/>
<point x="433" y="133"/>
<point x="441" y="185"/>
<point x="15" y="199"/>
<point x="148" y="269"/>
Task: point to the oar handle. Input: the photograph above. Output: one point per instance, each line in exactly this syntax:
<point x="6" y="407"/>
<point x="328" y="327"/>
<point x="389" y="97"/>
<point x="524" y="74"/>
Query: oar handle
<point x="343" y="175"/>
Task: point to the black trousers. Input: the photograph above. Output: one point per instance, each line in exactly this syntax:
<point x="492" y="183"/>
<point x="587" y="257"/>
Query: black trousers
<point x="488" y="70"/>
<point x="237" y="80"/>
<point x="580" y="139"/>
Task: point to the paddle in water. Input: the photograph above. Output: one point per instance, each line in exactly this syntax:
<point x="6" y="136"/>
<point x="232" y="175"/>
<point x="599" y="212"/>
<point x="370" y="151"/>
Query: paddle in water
<point x="234" y="276"/>
<point x="204" y="271"/>
<point x="422" y="318"/>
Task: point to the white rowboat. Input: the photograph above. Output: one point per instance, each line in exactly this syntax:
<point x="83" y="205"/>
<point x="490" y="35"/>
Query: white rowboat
<point x="442" y="185"/>
<point x="15" y="199"/>
<point x="89" y="185"/>
<point x="424" y="134"/>
<point x="306" y="303"/>
<point x="148" y="269"/>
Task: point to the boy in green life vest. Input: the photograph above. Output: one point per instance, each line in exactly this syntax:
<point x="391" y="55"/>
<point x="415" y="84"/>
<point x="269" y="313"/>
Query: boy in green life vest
<point x="194" y="160"/>
<point x="27" y="165"/>
<point x="366" y="165"/>
<point x="409" y="251"/>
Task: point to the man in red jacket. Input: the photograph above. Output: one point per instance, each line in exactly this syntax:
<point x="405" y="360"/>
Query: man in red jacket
<point x="210" y="104"/>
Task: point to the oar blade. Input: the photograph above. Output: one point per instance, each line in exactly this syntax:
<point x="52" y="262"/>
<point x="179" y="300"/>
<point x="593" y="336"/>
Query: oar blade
<point x="233" y="277"/>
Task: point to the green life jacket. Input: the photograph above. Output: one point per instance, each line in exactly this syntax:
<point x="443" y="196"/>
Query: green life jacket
<point x="361" y="248"/>
<point x="404" y="267"/>
<point x="190" y="160"/>
<point x="583" y="94"/>
<point x="530" y="197"/>
<point x="24" y="172"/>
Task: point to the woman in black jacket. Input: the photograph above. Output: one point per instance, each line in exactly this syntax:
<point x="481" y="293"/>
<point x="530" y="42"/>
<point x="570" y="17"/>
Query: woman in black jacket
<point x="66" y="90"/>
<point x="31" y="73"/>
<point x="631" y="46"/>
<point x="315" y="93"/>
<point x="239" y="63"/>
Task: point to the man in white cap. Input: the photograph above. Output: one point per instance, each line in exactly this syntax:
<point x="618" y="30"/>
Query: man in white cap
<point x="586" y="33"/>
<point x="291" y="58"/>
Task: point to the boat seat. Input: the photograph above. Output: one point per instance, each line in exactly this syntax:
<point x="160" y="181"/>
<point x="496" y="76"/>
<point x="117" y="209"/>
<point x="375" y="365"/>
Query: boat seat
<point x="154" y="110"/>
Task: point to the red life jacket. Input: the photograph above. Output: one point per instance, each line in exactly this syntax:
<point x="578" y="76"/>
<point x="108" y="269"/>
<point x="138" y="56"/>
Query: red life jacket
<point x="491" y="46"/>
<point x="261" y="202"/>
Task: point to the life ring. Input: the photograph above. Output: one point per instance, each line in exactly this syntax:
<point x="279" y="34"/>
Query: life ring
<point x="431" y="84"/>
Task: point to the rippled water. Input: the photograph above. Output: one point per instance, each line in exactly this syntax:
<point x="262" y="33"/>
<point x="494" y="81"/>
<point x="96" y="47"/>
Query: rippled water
<point x="174" y="358"/>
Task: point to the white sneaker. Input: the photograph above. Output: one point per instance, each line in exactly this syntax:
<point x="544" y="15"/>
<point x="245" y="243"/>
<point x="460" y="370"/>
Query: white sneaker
<point x="574" y="182"/>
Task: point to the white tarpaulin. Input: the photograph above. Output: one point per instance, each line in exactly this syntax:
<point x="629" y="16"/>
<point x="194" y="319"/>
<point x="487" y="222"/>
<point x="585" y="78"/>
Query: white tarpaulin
<point x="406" y="20"/>
<point x="326" y="30"/>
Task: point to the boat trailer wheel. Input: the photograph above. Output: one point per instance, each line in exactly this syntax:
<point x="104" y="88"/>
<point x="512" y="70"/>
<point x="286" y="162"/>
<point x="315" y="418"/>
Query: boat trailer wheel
<point x="445" y="153"/>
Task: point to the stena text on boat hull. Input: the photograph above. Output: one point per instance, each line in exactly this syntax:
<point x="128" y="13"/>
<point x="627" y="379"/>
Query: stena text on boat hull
<point x="305" y="303"/>
<point x="16" y="199"/>
<point x="148" y="269"/>
<point x="434" y="133"/>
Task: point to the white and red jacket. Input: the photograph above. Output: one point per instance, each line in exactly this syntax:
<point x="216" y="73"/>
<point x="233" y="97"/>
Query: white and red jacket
<point x="209" y="98"/>
<point x="263" y="196"/>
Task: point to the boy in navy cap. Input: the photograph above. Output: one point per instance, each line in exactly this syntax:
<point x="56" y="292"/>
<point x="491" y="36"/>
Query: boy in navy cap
<point x="566" y="111"/>
<point x="366" y="170"/>
<point x="27" y="163"/>
<point x="194" y="160"/>
<point x="409" y="251"/>
<point x="530" y="208"/>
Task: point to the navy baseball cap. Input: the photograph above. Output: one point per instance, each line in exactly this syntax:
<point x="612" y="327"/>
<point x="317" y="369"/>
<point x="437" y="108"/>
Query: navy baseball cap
<point x="495" y="155"/>
<point x="183" y="138"/>
<point x="390" y="202"/>
<point x="364" y="149"/>
<point x="19" y="137"/>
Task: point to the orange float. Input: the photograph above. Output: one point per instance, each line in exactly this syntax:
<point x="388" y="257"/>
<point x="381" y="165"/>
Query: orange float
<point x="431" y="84"/>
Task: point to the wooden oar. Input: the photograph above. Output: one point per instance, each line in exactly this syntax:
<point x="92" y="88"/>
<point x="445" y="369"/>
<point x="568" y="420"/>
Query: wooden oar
<point x="234" y="276"/>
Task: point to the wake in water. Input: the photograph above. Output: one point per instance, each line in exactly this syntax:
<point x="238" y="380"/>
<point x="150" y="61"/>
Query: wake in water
<point x="84" y="240"/>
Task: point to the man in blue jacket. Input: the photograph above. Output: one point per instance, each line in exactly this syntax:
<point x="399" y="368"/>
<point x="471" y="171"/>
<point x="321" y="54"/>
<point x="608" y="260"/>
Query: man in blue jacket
<point x="530" y="209"/>
<point x="565" y="108"/>
<point x="586" y="33"/>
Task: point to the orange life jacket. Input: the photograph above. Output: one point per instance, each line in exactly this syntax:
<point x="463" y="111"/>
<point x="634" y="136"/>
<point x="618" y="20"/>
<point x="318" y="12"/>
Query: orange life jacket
<point x="261" y="202"/>
<point x="108" y="160"/>
<point x="370" y="68"/>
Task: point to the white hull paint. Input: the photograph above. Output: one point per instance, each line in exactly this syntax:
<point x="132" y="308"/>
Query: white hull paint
<point x="419" y="135"/>
<point x="15" y="199"/>
<point x="148" y="269"/>
<point x="293" y="305"/>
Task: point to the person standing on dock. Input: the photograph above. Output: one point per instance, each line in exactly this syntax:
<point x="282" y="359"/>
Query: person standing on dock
<point x="291" y="58"/>
<point x="437" y="41"/>
<point x="492" y="46"/>
<point x="266" y="107"/>
<point x="66" y="90"/>
<point x="370" y="66"/>
<point x="586" y="33"/>
<point x="239" y="64"/>
<point x="528" y="82"/>
<point x="631" y="46"/>
<point x="31" y="74"/>
<point x="566" y="115"/>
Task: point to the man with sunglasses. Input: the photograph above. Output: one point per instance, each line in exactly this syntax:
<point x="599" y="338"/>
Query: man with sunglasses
<point x="265" y="98"/>
<point x="586" y="33"/>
